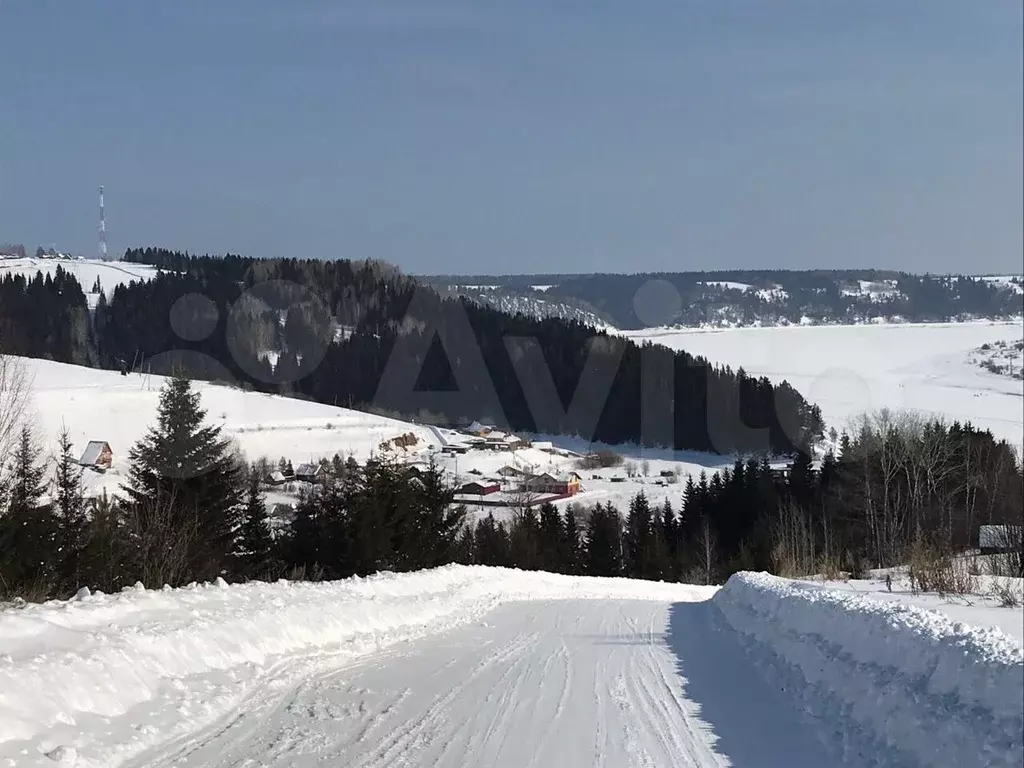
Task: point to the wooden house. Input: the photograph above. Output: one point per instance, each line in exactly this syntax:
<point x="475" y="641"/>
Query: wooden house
<point x="310" y="473"/>
<point x="478" y="489"/>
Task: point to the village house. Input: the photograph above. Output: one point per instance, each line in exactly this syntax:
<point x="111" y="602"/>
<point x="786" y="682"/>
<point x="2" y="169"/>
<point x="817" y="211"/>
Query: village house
<point x="568" y="485"/>
<point x="310" y="473"/>
<point x="478" y="489"/>
<point x="97" y="455"/>
<point x="510" y="471"/>
<point x="276" y="478"/>
<point x="478" y="430"/>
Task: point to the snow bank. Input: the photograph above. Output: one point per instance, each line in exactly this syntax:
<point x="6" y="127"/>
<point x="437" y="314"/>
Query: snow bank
<point x="910" y="684"/>
<point x="158" y="663"/>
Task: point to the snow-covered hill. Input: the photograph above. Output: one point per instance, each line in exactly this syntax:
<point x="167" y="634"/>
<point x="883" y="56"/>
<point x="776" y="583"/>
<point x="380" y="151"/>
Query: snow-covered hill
<point x="848" y="370"/>
<point x="731" y="299"/>
<point x="86" y="271"/>
<point x="531" y="302"/>
<point x="471" y="666"/>
<point x="103" y="405"/>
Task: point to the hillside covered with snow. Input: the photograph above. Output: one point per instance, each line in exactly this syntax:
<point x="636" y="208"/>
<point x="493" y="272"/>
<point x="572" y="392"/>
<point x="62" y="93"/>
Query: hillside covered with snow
<point x="851" y="370"/>
<point x="742" y="298"/>
<point x="109" y="274"/>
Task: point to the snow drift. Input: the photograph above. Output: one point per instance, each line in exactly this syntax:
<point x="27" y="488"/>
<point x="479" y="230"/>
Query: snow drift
<point x="907" y="684"/>
<point x="105" y="676"/>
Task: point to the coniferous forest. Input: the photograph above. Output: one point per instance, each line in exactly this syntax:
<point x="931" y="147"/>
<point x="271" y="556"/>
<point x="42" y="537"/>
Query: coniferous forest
<point x="359" y="334"/>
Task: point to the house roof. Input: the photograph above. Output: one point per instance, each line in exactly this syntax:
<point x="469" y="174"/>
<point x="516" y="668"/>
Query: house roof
<point x="93" y="451"/>
<point x="478" y="484"/>
<point x="308" y="469"/>
<point x="277" y="477"/>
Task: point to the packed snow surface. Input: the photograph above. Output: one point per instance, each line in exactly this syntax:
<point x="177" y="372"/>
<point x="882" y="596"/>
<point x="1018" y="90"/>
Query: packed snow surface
<point x="473" y="666"/>
<point x="906" y="685"/>
<point x="852" y="369"/>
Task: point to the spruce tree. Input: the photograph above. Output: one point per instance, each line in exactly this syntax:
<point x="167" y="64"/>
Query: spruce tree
<point x="69" y="509"/>
<point x="639" y="540"/>
<point x="28" y="543"/>
<point x="27" y="474"/>
<point x="255" y="540"/>
<point x="492" y="542"/>
<point x="185" y="486"/>
<point x="604" y="542"/>
<point x="573" y="545"/>
<point x="672" y="565"/>
<point x="552" y="540"/>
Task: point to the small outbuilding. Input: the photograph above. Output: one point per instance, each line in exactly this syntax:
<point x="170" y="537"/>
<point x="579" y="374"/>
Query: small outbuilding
<point x="479" y="489"/>
<point x="996" y="539"/>
<point x="97" y="455"/>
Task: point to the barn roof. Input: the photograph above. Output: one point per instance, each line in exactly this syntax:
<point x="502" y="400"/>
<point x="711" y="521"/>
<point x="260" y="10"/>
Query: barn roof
<point x="92" y="452"/>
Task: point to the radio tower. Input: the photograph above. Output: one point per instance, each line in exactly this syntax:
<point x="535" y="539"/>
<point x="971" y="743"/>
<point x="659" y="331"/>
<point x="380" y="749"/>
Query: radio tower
<point x="103" y="229"/>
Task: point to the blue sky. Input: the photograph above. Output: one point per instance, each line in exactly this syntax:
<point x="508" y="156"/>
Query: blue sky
<point x="522" y="136"/>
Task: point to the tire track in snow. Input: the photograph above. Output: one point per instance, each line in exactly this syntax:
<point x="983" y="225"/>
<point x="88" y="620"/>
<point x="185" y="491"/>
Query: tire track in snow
<point x="567" y="684"/>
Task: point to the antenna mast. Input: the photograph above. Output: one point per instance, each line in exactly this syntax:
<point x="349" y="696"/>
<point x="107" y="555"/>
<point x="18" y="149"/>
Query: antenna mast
<point x="103" y="229"/>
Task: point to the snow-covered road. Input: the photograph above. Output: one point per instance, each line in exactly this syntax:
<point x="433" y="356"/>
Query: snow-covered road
<point x="566" y="683"/>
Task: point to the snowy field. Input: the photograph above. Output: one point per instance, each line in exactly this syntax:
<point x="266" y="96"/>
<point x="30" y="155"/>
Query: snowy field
<point x="471" y="666"/>
<point x="850" y="369"/>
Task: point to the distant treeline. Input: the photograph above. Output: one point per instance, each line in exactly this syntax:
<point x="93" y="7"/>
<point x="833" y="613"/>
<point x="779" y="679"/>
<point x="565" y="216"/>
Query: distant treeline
<point x="820" y="295"/>
<point x="360" y="334"/>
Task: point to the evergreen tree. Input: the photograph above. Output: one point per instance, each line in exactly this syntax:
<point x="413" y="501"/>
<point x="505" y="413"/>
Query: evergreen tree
<point x="524" y="540"/>
<point x="552" y="544"/>
<point x="28" y="532"/>
<point x="604" y="542"/>
<point x="492" y="542"/>
<point x="27" y="474"/>
<point x="255" y="539"/>
<point x="573" y="545"/>
<point x="670" y="538"/>
<point x="465" y="547"/>
<point x="184" y="487"/>
<point x="639" y="544"/>
<point x="437" y="523"/>
<point x="70" y="510"/>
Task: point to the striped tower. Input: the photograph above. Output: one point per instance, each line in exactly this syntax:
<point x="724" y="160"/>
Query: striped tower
<point x="103" y="229"/>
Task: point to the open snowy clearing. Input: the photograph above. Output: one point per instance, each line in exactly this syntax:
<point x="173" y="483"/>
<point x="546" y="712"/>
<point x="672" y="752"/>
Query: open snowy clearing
<point x="471" y="666"/>
<point x="851" y="369"/>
